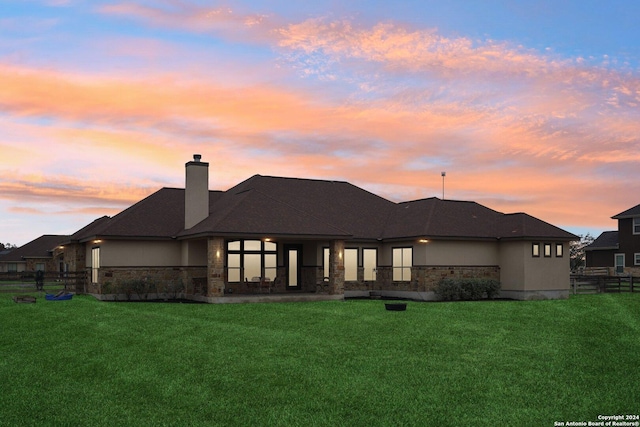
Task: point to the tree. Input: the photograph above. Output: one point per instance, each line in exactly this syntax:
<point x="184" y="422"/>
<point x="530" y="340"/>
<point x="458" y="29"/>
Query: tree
<point x="7" y="246"/>
<point x="576" y="251"/>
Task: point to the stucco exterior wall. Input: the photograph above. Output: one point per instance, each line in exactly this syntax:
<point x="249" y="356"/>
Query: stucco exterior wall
<point x="455" y="253"/>
<point x="130" y="253"/>
<point x="194" y="252"/>
<point x="524" y="276"/>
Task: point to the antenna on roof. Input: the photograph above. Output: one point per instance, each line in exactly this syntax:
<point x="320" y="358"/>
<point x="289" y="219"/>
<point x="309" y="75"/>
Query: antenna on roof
<point x="443" y="175"/>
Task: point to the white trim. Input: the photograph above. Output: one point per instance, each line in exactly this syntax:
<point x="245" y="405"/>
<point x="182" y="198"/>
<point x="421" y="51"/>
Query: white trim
<point x="635" y="223"/>
<point x="615" y="263"/>
<point x="636" y="258"/>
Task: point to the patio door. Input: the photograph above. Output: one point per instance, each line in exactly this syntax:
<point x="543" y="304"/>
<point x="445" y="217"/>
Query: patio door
<point x="619" y="264"/>
<point x="293" y="263"/>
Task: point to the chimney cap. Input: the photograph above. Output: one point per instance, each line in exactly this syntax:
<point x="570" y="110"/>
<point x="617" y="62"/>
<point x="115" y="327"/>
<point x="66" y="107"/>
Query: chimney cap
<point x="197" y="157"/>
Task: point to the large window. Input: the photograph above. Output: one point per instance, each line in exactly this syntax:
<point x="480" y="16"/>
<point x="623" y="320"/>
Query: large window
<point x="402" y="262"/>
<point x="636" y="225"/>
<point x="251" y="260"/>
<point x="370" y="263"/>
<point x="350" y="265"/>
<point x="95" y="264"/>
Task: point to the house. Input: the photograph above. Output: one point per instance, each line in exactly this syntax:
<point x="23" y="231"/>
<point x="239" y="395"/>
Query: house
<point x="295" y="237"/>
<point x="36" y="255"/>
<point x="618" y="251"/>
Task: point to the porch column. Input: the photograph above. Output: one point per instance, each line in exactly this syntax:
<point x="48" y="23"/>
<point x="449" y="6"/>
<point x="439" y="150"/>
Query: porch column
<point x="336" y="267"/>
<point x="215" y="266"/>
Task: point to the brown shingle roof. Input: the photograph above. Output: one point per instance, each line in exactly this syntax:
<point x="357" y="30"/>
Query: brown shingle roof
<point x="606" y="240"/>
<point x="293" y="206"/>
<point x="38" y="248"/>
<point x="272" y="206"/>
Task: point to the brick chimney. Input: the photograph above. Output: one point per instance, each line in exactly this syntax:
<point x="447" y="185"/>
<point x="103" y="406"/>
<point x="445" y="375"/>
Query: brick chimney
<point x="196" y="193"/>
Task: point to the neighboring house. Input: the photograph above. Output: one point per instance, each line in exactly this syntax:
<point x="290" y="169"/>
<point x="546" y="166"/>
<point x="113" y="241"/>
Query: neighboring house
<point x="34" y="256"/>
<point x="619" y="251"/>
<point x="298" y="236"/>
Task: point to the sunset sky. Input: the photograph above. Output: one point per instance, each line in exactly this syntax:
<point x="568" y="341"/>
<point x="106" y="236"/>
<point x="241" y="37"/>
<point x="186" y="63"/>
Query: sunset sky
<point x="529" y="106"/>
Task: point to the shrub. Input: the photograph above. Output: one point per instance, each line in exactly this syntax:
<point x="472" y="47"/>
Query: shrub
<point x="467" y="289"/>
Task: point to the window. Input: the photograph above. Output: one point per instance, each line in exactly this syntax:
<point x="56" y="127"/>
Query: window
<point x="547" y="250"/>
<point x="250" y="259"/>
<point x="619" y="263"/>
<point x="636" y="259"/>
<point x="95" y="264"/>
<point x="636" y="225"/>
<point x="40" y="266"/>
<point x="535" y="249"/>
<point x="559" y="250"/>
<point x="370" y="263"/>
<point x="402" y="261"/>
<point x="12" y="267"/>
<point x="325" y="262"/>
<point x="350" y="265"/>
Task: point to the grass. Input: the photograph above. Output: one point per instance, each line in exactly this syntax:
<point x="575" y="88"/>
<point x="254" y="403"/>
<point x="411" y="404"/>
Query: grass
<point x="84" y="362"/>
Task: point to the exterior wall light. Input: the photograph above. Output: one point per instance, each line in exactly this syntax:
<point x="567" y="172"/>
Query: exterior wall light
<point x="423" y="241"/>
<point x="97" y="241"/>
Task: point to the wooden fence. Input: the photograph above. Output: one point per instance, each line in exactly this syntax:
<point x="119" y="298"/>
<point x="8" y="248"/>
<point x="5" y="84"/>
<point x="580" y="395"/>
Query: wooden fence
<point x="591" y="284"/>
<point x="25" y="281"/>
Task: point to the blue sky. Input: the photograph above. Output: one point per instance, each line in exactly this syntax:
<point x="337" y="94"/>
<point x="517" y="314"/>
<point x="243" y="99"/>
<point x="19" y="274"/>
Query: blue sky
<point x="529" y="106"/>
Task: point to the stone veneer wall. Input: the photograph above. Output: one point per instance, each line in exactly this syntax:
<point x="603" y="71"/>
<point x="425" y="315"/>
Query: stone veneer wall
<point x="164" y="278"/>
<point x="423" y="278"/>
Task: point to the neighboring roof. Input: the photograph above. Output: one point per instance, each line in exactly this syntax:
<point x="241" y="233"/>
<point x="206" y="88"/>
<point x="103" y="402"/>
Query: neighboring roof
<point x="605" y="241"/>
<point x="38" y="248"/>
<point x="276" y="206"/>
<point x="629" y="213"/>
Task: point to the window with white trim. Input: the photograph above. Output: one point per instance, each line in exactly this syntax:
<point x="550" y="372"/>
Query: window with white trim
<point x="636" y="225"/>
<point x="636" y="259"/>
<point x="402" y="262"/>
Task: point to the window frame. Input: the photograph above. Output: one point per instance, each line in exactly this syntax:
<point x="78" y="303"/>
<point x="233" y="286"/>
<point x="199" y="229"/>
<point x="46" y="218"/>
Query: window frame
<point x="559" y="250"/>
<point x="357" y="263"/>
<point x="95" y="264"/>
<point x="547" y="250"/>
<point x="636" y="258"/>
<point x="242" y="253"/>
<point x="635" y="225"/>
<point x="403" y="266"/>
<point x="372" y="276"/>
<point x="535" y="250"/>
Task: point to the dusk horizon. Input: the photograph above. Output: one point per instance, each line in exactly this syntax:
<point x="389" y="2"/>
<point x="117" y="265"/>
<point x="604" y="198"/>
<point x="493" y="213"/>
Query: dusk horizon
<point x="527" y="107"/>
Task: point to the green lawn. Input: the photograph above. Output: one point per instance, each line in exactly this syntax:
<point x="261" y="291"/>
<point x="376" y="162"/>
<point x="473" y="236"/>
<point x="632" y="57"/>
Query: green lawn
<point x="84" y="362"/>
